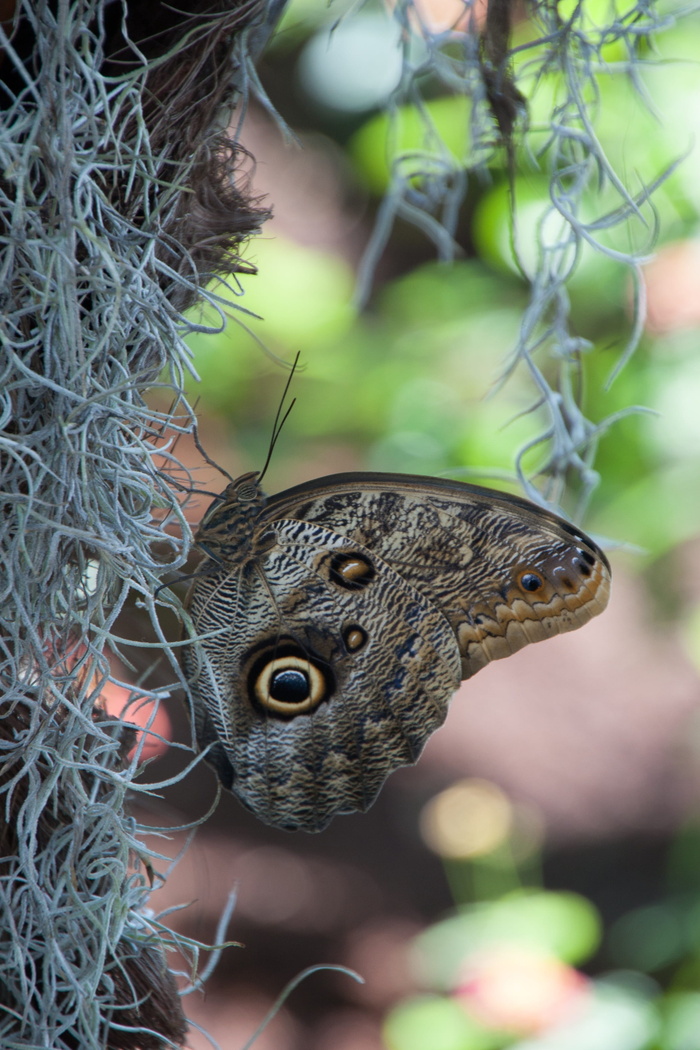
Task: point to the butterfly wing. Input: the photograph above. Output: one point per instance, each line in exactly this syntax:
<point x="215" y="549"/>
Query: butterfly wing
<point x="504" y="572"/>
<point x="319" y="671"/>
<point x="333" y="636"/>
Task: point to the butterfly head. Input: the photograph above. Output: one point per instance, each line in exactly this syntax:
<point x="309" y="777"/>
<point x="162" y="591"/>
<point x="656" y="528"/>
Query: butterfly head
<point x="227" y="527"/>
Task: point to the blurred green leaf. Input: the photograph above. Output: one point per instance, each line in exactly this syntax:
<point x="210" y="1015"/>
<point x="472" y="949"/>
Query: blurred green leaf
<point x="302" y="297"/>
<point x="437" y="135"/>
<point x="657" y="512"/>
<point x="564" y="925"/>
<point x="648" y="938"/>
<point x="435" y="1023"/>
<point x="300" y="18"/>
<point x="681" y="1017"/>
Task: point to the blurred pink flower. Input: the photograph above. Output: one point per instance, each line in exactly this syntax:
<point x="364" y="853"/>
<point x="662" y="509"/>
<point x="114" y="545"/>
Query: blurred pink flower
<point x="519" y="990"/>
<point x="672" y="280"/>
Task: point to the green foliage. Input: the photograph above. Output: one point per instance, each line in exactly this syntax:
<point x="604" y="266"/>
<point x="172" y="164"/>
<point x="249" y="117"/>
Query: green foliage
<point x="386" y="140"/>
<point x="437" y="1022"/>
<point x="412" y="384"/>
<point x="563" y="925"/>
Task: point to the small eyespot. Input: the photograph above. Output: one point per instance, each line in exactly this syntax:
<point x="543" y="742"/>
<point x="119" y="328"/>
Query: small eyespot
<point x="580" y="566"/>
<point x="530" y="581"/>
<point x="586" y="555"/>
<point x="354" y="637"/>
<point x="351" y="571"/>
<point x="290" y="685"/>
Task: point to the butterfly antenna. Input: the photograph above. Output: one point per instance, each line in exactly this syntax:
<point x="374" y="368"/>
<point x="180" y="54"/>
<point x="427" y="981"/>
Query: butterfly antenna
<point x="278" y="424"/>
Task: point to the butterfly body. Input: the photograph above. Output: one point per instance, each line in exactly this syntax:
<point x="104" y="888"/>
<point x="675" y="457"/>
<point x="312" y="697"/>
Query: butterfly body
<point x="335" y="620"/>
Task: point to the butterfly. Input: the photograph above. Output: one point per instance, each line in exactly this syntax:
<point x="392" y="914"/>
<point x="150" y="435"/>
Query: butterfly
<point x="335" y="620"/>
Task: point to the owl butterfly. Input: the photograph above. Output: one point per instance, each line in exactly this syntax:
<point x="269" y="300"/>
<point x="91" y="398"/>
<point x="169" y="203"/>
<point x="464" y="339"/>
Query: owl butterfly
<point x="335" y="620"/>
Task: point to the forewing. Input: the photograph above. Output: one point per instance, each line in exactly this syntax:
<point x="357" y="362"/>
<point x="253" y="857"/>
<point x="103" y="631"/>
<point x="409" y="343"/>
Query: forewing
<point x="472" y="552"/>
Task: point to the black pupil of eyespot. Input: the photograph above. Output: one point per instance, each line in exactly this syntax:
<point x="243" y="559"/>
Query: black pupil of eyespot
<point x="290" y="686"/>
<point x="530" y="582"/>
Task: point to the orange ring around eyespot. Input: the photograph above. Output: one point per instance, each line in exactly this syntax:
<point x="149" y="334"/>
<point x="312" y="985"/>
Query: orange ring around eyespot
<point x="530" y="572"/>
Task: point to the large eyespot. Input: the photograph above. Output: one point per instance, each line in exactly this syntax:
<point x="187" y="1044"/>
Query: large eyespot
<point x="530" y="581"/>
<point x="350" y="570"/>
<point x="288" y="683"/>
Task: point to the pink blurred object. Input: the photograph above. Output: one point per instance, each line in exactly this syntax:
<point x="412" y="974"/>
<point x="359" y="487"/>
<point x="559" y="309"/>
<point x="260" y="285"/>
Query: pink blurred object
<point x="672" y="280"/>
<point x="139" y="712"/>
<point x="516" y="990"/>
<point x="437" y="16"/>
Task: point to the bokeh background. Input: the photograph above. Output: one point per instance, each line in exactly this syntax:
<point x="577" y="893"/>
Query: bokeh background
<point x="534" y="882"/>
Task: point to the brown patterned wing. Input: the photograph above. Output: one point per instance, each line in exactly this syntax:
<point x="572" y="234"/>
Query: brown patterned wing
<point x="503" y="571"/>
<point x="335" y="621"/>
<point x="319" y="672"/>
